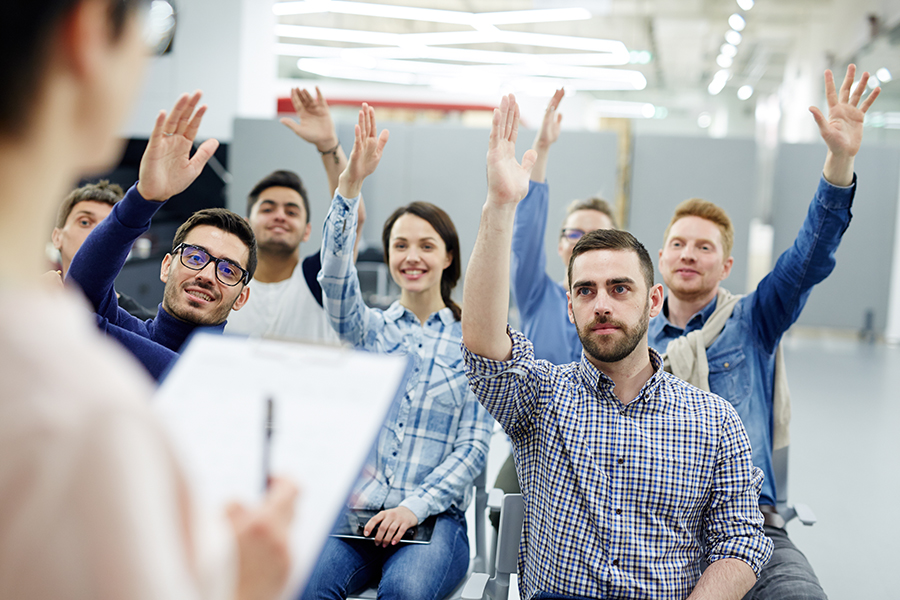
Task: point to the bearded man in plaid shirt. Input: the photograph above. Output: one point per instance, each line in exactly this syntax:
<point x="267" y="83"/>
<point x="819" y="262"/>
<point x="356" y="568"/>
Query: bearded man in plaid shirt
<point x="631" y="477"/>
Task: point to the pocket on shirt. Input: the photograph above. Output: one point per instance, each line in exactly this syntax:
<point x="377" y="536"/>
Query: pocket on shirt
<point x="728" y="376"/>
<point x="448" y="384"/>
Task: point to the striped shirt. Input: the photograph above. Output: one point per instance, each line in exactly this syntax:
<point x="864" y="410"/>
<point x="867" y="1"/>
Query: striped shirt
<point x="621" y="501"/>
<point x="434" y="441"/>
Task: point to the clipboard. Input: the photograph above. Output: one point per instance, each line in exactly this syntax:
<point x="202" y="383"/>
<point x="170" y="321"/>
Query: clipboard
<point x="329" y="405"/>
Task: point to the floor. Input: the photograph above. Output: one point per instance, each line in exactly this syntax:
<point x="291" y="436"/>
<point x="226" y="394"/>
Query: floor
<point x="844" y="463"/>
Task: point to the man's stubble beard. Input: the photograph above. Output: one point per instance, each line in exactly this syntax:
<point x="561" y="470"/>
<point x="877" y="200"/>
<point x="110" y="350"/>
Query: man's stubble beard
<point x="620" y="349"/>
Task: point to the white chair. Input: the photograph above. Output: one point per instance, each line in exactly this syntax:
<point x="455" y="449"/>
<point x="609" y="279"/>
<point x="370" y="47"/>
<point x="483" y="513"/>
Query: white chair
<point x="495" y="585"/>
<point x="788" y="511"/>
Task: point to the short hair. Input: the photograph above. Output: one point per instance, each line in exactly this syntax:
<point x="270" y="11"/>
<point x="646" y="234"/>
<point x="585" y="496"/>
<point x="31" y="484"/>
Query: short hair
<point x="281" y="178"/>
<point x="695" y="207"/>
<point x="593" y="203"/>
<point x="613" y="239"/>
<point x="103" y="191"/>
<point x="443" y="225"/>
<point x="31" y="27"/>
<point x="227" y="221"/>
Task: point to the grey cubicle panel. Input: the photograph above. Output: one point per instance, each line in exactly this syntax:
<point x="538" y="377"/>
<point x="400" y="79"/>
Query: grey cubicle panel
<point x="668" y="170"/>
<point x="439" y="163"/>
<point x="861" y="280"/>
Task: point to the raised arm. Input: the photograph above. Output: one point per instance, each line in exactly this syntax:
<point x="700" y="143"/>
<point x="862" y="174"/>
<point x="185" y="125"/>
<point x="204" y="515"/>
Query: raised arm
<point x="486" y="293"/>
<point x="316" y="126"/>
<point x="546" y="137"/>
<point x="843" y="129"/>
<point x="166" y="169"/>
<point x="338" y="278"/>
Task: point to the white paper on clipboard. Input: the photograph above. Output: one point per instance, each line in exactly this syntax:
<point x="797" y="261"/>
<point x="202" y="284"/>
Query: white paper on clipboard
<point x="329" y="404"/>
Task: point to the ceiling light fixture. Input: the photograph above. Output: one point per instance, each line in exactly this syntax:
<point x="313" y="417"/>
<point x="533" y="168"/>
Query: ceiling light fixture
<point x="733" y="37"/>
<point x="737" y="22"/>
<point x="724" y="61"/>
<point x="718" y="82"/>
<point x="744" y="92"/>
<point x="728" y="50"/>
<point x="745" y="4"/>
<point x="883" y="74"/>
<point x="431" y="15"/>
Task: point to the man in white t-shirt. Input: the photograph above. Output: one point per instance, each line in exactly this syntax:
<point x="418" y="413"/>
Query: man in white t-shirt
<point x="287" y="301"/>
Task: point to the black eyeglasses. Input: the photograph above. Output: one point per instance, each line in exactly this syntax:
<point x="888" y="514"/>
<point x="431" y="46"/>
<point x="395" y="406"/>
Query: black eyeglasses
<point x="196" y="258"/>
<point x="573" y="235"/>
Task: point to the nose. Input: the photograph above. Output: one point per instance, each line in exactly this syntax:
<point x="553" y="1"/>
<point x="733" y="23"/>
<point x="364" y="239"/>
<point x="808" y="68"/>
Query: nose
<point x="687" y="253"/>
<point x="208" y="272"/>
<point x="602" y="305"/>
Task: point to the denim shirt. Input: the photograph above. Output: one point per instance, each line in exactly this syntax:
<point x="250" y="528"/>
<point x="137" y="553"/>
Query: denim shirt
<point x="742" y="359"/>
<point x="434" y="440"/>
<point x="542" y="302"/>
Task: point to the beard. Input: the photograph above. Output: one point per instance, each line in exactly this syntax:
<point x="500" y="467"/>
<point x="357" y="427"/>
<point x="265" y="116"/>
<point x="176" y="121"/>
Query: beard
<point x="276" y="246"/>
<point x="180" y="305"/>
<point x="604" y="349"/>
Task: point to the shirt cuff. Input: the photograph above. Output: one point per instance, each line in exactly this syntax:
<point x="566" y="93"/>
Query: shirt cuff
<point x="834" y="196"/>
<point x="480" y="366"/>
<point x="418" y="506"/>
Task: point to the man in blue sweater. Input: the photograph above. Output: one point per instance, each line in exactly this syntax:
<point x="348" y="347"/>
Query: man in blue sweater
<point x="213" y="254"/>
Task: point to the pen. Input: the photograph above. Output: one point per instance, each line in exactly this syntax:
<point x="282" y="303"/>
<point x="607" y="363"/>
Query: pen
<point x="267" y="442"/>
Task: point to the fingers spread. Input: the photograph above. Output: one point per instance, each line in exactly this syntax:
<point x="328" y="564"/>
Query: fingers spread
<point x="193" y="126"/>
<point x="848" y="83"/>
<point x="868" y="101"/>
<point x="171" y="124"/>
<point x="382" y="139"/>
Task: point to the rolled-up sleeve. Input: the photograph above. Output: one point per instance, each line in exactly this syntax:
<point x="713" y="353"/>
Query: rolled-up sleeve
<point x="733" y="522"/>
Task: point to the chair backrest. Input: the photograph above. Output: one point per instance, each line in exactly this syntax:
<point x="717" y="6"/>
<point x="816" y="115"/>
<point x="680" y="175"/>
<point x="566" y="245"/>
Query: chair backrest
<point x="780" y="468"/>
<point x="512" y="516"/>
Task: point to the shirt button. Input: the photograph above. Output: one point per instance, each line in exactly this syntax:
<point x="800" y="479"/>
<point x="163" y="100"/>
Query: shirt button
<point x="621" y="461"/>
<point x="394" y="453"/>
<point x="400" y="425"/>
<point x="616" y="562"/>
<point x="726" y="365"/>
<point x="618" y="511"/>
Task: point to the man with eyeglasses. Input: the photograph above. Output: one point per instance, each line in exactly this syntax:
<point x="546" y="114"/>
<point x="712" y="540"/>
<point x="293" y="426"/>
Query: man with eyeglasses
<point x="541" y="301"/>
<point x="213" y="254"/>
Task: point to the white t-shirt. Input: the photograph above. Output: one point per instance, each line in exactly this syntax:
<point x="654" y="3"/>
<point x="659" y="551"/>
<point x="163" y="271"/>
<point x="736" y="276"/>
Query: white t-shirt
<point x="93" y="505"/>
<point x="286" y="309"/>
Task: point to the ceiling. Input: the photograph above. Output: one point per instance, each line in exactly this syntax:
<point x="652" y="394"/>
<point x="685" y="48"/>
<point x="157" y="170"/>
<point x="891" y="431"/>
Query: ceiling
<point x="783" y="41"/>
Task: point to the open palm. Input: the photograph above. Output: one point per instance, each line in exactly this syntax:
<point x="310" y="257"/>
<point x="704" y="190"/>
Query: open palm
<point x="315" y="124"/>
<point x="507" y="179"/>
<point x="843" y="129"/>
<point x="167" y="167"/>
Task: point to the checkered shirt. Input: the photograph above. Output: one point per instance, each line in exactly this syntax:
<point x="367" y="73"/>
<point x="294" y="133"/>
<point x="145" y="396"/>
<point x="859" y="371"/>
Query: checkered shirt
<point x="621" y="501"/>
<point x="434" y="441"/>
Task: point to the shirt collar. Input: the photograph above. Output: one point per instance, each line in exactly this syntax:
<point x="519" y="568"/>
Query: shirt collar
<point x="696" y="321"/>
<point x="396" y="311"/>
<point x="594" y="378"/>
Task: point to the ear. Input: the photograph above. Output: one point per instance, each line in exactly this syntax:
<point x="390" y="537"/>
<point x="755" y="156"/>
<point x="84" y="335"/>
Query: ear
<point x="306" y="235"/>
<point x="56" y="238"/>
<point x="660" y="256"/>
<point x="164" y="268"/>
<point x="83" y="35"/>
<point x="569" y="307"/>
<point x="448" y="261"/>
<point x="726" y="268"/>
<point x="241" y="299"/>
<point x="656" y="299"/>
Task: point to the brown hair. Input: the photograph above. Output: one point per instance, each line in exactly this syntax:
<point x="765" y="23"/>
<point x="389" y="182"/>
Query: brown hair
<point x="103" y="191"/>
<point x="593" y="203"/>
<point x="695" y="207"/>
<point x="228" y="222"/>
<point x="613" y="239"/>
<point x="442" y="223"/>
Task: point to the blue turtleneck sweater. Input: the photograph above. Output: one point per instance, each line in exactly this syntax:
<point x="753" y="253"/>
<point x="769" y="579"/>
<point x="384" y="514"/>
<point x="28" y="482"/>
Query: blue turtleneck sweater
<point x="154" y="342"/>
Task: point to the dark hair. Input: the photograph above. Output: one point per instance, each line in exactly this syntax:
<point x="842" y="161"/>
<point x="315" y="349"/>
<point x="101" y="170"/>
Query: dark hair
<point x="31" y="28"/>
<point x="287" y="179"/>
<point x="613" y="239"/>
<point x="442" y="223"/>
<point x="228" y="222"/>
<point x="103" y="191"/>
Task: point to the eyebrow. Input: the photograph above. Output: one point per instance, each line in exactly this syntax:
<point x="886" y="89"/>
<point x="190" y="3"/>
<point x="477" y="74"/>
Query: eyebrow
<point x="609" y="282"/>
<point x="424" y="239"/>
<point x="290" y="204"/>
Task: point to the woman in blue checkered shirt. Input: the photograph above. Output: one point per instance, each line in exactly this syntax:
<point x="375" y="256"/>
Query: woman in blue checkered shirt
<point x="434" y="440"/>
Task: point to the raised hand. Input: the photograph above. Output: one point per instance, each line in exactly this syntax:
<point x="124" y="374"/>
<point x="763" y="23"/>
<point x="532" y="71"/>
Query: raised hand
<point x="366" y="153"/>
<point x="315" y="124"/>
<point x="843" y="128"/>
<point x="167" y="167"/>
<point x="549" y="131"/>
<point x="507" y="179"/>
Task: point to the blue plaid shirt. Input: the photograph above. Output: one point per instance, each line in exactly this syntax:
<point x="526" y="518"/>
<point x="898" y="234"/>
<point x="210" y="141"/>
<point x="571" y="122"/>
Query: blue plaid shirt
<point x="621" y="501"/>
<point x="434" y="441"/>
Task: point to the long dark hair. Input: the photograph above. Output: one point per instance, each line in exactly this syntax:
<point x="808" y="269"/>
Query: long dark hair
<point x="442" y="223"/>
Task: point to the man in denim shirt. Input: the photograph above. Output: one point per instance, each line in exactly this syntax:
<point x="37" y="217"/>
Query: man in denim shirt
<point x="696" y="257"/>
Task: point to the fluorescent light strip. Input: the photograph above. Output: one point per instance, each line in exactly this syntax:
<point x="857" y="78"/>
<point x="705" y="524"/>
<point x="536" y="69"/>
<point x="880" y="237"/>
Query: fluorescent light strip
<point x="409" y="72"/>
<point x="629" y="110"/>
<point x="429" y="14"/>
<point x="615" y="49"/>
<point x="460" y="55"/>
